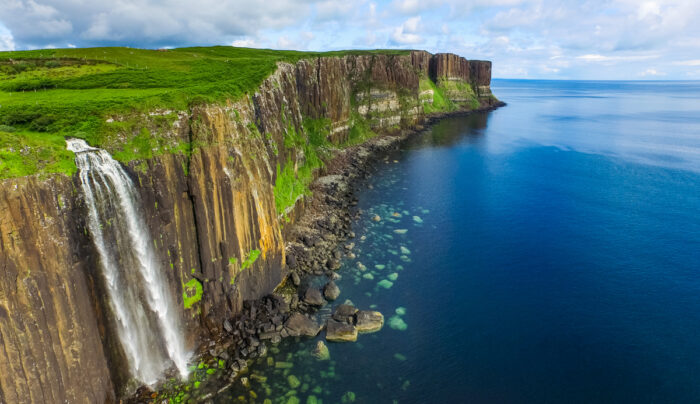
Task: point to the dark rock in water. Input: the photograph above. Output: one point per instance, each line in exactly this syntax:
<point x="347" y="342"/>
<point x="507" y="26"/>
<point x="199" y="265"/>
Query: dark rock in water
<point x="333" y="264"/>
<point x="296" y="280"/>
<point x="227" y="326"/>
<point x="344" y="313"/>
<point x="331" y="291"/>
<point x="368" y="321"/>
<point x="298" y="324"/>
<point x="340" y="332"/>
<point x="313" y="297"/>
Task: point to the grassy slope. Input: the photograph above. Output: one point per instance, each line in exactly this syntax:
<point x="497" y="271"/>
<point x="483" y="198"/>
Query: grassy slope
<point x="48" y="94"/>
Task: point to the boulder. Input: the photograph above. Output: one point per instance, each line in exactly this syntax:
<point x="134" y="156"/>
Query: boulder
<point x="368" y="321"/>
<point x="296" y="280"/>
<point x="313" y="297"/>
<point x="344" y="313"/>
<point x="331" y="291"/>
<point x="340" y="332"/>
<point x="297" y="324"/>
<point x="321" y="352"/>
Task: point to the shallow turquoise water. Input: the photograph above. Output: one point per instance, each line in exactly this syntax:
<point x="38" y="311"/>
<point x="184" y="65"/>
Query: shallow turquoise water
<point x="551" y="253"/>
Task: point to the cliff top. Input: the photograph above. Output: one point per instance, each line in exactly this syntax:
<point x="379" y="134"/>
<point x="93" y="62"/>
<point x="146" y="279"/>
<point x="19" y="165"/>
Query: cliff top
<point x="48" y="94"/>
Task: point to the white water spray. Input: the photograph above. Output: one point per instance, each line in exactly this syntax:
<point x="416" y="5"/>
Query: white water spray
<point x="147" y="322"/>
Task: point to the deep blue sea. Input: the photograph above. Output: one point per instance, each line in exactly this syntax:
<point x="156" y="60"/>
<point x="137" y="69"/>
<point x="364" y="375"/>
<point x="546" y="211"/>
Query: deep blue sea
<point x="548" y="251"/>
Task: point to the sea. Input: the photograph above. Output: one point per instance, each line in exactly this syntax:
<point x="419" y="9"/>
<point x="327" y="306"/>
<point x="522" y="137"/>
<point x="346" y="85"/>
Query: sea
<point x="544" y="252"/>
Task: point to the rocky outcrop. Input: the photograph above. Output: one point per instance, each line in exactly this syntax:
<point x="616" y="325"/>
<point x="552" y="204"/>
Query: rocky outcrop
<point x="217" y="226"/>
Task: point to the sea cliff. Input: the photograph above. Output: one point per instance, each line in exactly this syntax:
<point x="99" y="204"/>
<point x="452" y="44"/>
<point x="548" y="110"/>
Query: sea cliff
<point x="220" y="213"/>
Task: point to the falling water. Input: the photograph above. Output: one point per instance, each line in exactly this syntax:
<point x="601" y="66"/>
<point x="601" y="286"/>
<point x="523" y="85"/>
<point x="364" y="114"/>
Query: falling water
<point x="147" y="322"/>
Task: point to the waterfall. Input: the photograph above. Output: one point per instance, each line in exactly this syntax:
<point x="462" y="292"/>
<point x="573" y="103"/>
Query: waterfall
<point x="146" y="318"/>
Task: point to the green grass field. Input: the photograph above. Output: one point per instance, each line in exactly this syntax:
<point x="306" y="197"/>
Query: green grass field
<point x="46" y="95"/>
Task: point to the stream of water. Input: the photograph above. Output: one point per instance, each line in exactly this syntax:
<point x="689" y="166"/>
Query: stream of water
<point x="145" y="316"/>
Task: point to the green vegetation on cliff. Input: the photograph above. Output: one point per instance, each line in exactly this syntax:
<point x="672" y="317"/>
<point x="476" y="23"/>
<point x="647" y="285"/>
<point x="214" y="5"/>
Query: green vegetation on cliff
<point x="49" y="94"/>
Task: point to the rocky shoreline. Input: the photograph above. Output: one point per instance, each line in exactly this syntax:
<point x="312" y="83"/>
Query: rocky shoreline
<point x="314" y="249"/>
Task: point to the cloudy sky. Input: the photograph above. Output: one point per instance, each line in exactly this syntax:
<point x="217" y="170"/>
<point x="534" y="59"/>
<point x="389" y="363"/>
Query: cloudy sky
<point x="553" y="39"/>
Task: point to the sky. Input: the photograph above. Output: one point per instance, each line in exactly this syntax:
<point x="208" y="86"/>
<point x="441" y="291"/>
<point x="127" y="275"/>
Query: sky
<point x="538" y="39"/>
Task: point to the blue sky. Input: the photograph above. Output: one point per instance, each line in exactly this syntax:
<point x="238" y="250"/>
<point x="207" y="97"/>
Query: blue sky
<point x="551" y="39"/>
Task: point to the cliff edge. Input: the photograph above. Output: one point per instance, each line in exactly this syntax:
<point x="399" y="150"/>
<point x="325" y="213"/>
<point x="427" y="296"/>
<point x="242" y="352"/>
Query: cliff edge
<point x="219" y="188"/>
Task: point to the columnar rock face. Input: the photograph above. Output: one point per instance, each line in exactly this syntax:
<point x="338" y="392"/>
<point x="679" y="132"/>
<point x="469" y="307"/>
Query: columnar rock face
<point x="449" y="66"/>
<point x="51" y="347"/>
<point x="211" y="213"/>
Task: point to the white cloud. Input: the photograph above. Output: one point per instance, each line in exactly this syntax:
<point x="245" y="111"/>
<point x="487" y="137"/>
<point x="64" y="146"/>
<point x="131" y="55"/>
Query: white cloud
<point x="153" y="23"/>
<point x="651" y="72"/>
<point x="245" y="43"/>
<point x="407" y="33"/>
<point x="694" y="62"/>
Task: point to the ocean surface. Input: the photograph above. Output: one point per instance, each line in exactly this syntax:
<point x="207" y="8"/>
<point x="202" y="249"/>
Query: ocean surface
<point x="548" y="251"/>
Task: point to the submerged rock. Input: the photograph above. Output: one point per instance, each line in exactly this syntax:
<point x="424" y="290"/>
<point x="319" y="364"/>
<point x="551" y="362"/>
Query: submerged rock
<point x="368" y="321"/>
<point x="348" y="397"/>
<point x="313" y="297"/>
<point x="321" y="352"/>
<point x="368" y="276"/>
<point x="400" y="311"/>
<point x="397" y="323"/>
<point x="293" y="381"/>
<point x="401" y="231"/>
<point x="340" y="332"/>
<point x="331" y="291"/>
<point x="386" y="284"/>
<point x="405" y="251"/>
<point x="417" y="219"/>
<point x="393" y="276"/>
<point x="298" y="325"/>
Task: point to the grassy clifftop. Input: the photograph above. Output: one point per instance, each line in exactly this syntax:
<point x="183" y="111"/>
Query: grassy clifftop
<point x="46" y="95"/>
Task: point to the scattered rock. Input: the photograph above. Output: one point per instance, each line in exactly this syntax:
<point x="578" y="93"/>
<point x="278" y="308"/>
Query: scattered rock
<point x="397" y="323"/>
<point x="313" y="297"/>
<point x="340" y="332"/>
<point x="321" y="352"/>
<point x="400" y="311"/>
<point x="399" y="357"/>
<point x="298" y="324"/>
<point x="368" y="321"/>
<point x="296" y="280"/>
<point x="344" y="313"/>
<point x="380" y="266"/>
<point x="405" y="251"/>
<point x="401" y="231"/>
<point x="376" y="218"/>
<point x="331" y="291"/>
<point x="333" y="264"/>
<point x="293" y="381"/>
<point x="393" y="276"/>
<point x="368" y="276"/>
<point x="417" y="219"/>
<point x="348" y="397"/>
<point x="386" y="284"/>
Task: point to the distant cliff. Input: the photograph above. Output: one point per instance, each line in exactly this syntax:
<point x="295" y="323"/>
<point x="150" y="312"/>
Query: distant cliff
<point x="216" y="211"/>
